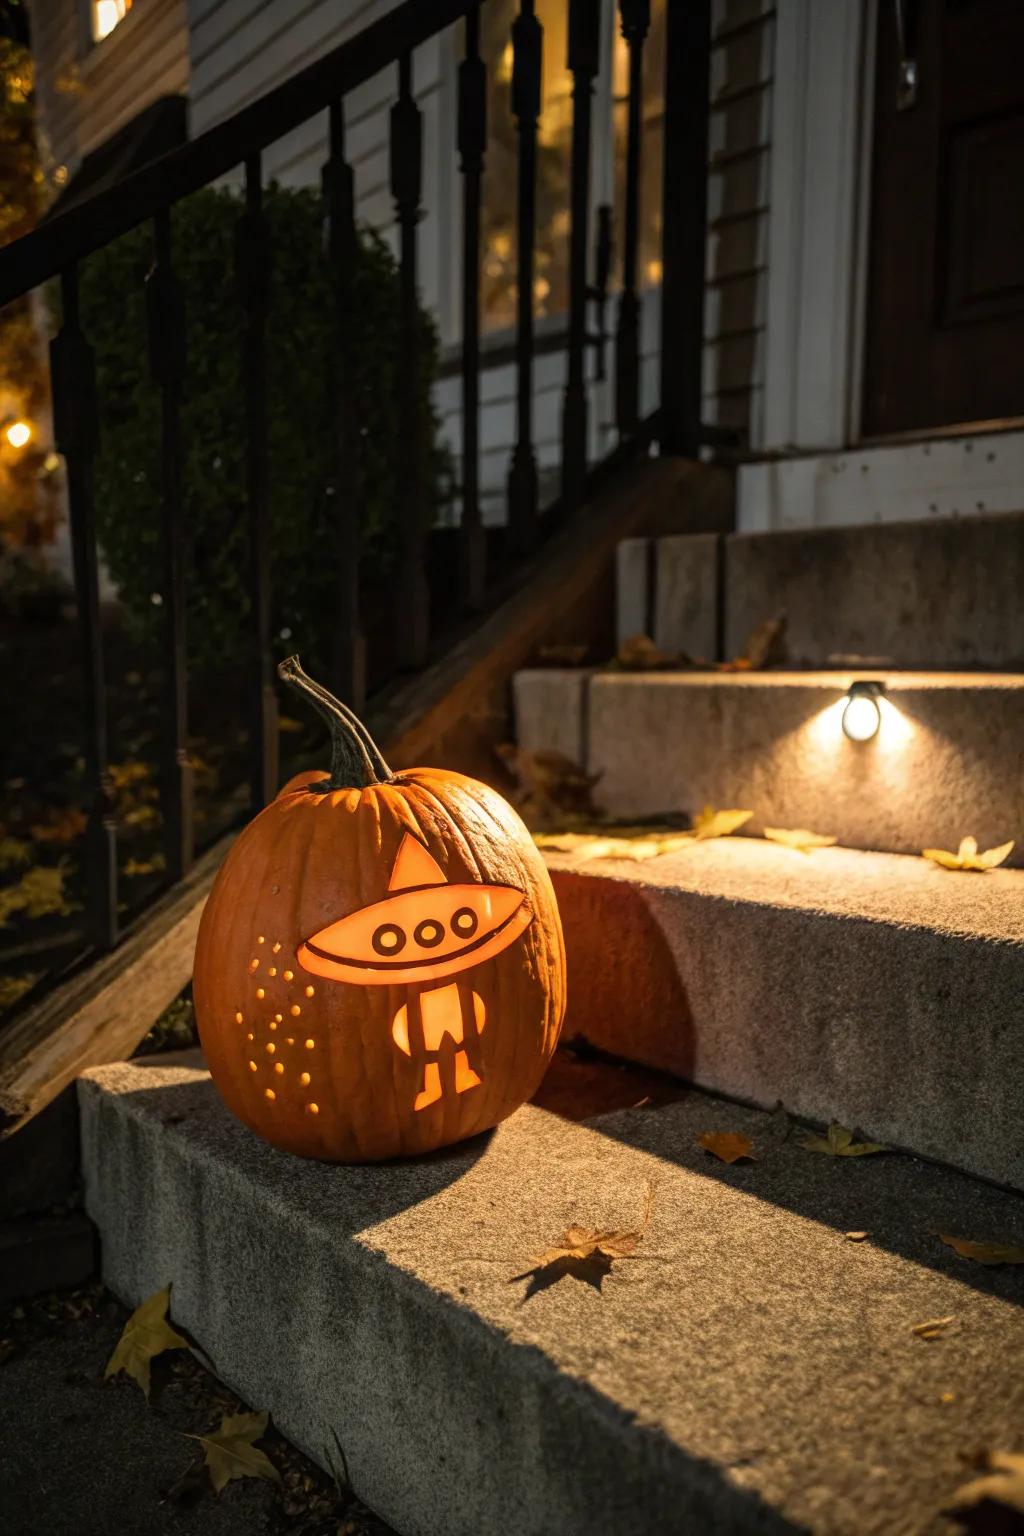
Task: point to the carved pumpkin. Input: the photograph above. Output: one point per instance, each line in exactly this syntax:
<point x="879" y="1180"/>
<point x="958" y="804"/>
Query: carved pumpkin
<point x="380" y="968"/>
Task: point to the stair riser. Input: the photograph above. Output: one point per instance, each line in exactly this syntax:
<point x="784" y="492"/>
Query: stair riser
<point x="946" y="761"/>
<point x="915" y="1037"/>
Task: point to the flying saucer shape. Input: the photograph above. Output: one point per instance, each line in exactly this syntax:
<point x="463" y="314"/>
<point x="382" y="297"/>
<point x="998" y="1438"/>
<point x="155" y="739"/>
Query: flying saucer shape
<point x="425" y="928"/>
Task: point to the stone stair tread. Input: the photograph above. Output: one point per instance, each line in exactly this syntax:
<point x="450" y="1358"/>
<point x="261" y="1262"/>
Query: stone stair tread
<point x="840" y="882"/>
<point x="752" y="1369"/>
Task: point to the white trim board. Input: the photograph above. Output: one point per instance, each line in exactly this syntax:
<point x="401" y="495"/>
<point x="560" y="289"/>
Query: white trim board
<point x="942" y="478"/>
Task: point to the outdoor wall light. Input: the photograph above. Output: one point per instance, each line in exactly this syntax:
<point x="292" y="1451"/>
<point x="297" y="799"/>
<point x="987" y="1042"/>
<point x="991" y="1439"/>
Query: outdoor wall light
<point x="862" y="715"/>
<point x="18" y="433"/>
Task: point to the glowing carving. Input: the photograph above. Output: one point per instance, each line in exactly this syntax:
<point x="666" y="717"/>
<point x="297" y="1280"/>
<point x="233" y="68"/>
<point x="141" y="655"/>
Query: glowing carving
<point x="424" y="931"/>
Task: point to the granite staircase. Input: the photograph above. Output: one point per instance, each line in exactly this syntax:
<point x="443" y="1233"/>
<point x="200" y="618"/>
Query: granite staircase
<point x="755" y="1366"/>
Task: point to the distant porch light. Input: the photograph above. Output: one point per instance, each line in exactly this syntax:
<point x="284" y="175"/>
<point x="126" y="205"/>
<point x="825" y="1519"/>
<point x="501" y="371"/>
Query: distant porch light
<point x="106" y="15"/>
<point x="18" y="433"/>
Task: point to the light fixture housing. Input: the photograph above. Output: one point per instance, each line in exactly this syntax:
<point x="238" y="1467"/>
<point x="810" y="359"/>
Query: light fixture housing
<point x="862" y="715"/>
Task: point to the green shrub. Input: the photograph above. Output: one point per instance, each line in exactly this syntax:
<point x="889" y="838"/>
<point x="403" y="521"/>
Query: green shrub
<point x="301" y="341"/>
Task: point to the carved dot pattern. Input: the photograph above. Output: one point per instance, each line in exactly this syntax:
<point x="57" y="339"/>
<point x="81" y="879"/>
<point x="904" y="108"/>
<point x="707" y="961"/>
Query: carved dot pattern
<point x="270" y="1048"/>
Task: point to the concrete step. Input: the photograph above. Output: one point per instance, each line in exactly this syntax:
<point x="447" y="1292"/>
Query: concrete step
<point x="917" y="594"/>
<point x="869" y="988"/>
<point x="946" y="760"/>
<point x="752" y="1370"/>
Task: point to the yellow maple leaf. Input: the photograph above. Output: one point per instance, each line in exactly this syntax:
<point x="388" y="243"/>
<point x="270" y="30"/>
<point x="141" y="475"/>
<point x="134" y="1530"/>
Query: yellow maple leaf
<point x="799" y="838"/>
<point x="636" y="843"/>
<point x="968" y="857"/>
<point x="933" y="1329"/>
<point x="997" y="1496"/>
<point x="984" y="1253"/>
<point x="729" y="1146"/>
<point x="146" y="1334"/>
<point x="229" y="1451"/>
<point x="839" y="1142"/>
<point x="711" y="823"/>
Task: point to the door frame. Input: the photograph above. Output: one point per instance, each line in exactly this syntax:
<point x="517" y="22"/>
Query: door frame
<point x="818" y="219"/>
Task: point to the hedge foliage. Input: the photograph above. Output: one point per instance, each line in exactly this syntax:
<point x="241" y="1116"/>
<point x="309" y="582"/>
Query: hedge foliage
<point x="304" y="500"/>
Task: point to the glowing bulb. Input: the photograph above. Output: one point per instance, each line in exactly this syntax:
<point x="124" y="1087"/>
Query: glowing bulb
<point x="862" y="716"/>
<point x="18" y="433"/>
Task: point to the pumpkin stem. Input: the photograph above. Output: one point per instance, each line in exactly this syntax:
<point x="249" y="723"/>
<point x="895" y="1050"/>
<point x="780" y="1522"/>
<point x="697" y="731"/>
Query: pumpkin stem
<point x="356" y="760"/>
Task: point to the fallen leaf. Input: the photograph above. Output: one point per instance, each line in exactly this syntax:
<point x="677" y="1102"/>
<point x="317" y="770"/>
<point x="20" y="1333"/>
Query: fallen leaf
<point x="63" y="827"/>
<point x="839" y="1142"/>
<point x="229" y="1452"/>
<point x="39" y="893"/>
<point x="934" y="1328"/>
<point x="711" y="823"/>
<point x="730" y="1146"/>
<point x="968" y="857"/>
<point x="585" y="1253"/>
<point x="617" y="842"/>
<point x="993" y="1503"/>
<point x="764" y="645"/>
<point x="855" y="1237"/>
<point x="134" y="868"/>
<point x="640" y="654"/>
<point x="146" y="1334"/>
<point x="984" y="1253"/>
<point x="799" y="838"/>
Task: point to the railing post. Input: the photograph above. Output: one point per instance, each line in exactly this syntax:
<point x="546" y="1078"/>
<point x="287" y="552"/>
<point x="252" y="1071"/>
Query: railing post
<point x="166" y="316"/>
<point x="346" y="487"/>
<point x="472" y="145"/>
<point x="636" y="19"/>
<point x="412" y="618"/>
<point x="684" y="223"/>
<point x="527" y="52"/>
<point x="583" y="58"/>
<point x="76" y="431"/>
<point x="253" y="265"/>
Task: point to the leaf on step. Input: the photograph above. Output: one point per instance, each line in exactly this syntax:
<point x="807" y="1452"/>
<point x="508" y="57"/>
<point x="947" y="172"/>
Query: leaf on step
<point x="608" y="841"/>
<point x="839" y="1142"/>
<point x="711" y="823"/>
<point x="764" y="646"/>
<point x="968" y="857"/>
<point x="585" y="1253"/>
<point x="229" y="1451"/>
<point x="799" y="838"/>
<point x="934" y="1328"/>
<point x="729" y="1146"/>
<point x="146" y="1334"/>
<point x="640" y="654"/>
<point x="856" y="1237"/>
<point x="994" y="1502"/>
<point x="984" y="1253"/>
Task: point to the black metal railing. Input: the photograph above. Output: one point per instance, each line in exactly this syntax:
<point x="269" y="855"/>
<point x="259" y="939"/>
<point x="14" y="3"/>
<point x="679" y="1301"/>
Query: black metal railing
<point x="58" y="247"/>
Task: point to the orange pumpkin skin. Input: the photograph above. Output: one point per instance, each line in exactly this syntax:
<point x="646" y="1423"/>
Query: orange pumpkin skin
<point x="320" y="1066"/>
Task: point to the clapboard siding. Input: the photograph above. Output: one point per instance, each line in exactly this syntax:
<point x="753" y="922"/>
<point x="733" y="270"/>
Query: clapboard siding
<point x="86" y="92"/>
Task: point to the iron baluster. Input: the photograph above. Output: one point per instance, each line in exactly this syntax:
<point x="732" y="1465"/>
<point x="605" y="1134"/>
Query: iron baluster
<point x="346" y="487"/>
<point x="583" y="52"/>
<point x="76" y="430"/>
<point x="412" y="619"/>
<point x="684" y="223"/>
<point x="635" y="20"/>
<point x="602" y="272"/>
<point x="527" y="54"/>
<point x="472" y="146"/>
<point x="165" y="308"/>
<point x="253" y="264"/>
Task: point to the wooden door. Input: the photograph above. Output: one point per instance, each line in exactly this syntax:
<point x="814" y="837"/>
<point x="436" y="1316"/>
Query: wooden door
<point x="945" y="310"/>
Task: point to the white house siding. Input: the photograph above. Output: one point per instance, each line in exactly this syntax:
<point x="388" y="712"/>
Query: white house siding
<point x="87" y="92"/>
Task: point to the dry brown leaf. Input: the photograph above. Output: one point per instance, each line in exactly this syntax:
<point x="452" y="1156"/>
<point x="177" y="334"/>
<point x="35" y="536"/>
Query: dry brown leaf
<point x="839" y="1142"/>
<point x="855" y="1237"/>
<point x="729" y="1146"/>
<point x="146" y="1334"/>
<point x="968" y="857"/>
<point x="994" y="1502"/>
<point x="711" y="823"/>
<point x="764" y="646"/>
<point x="229" y="1451"/>
<point x="580" y="1247"/>
<point x="984" y="1253"/>
<point x="640" y="654"/>
<point x="799" y="838"/>
<point x="934" y="1328"/>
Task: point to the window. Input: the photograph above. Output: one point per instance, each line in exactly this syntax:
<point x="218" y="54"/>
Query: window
<point x="105" y="15"/>
<point x="554" y="143"/>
